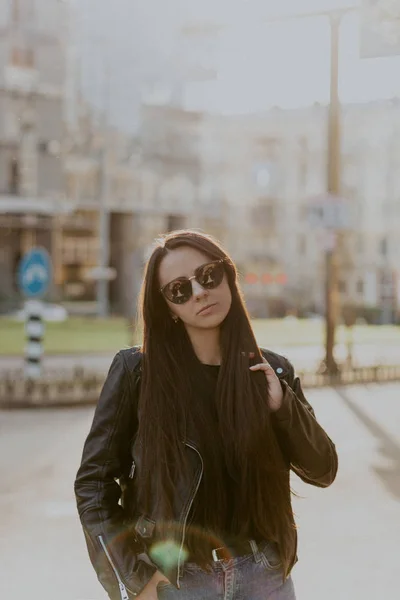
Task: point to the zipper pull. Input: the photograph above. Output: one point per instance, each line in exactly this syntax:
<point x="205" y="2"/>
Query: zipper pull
<point x="124" y="593"/>
<point x="132" y="471"/>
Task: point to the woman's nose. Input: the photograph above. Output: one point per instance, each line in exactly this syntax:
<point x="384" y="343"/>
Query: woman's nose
<point x="198" y="291"/>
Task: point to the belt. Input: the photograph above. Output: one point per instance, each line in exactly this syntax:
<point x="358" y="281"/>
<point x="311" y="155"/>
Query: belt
<point x="227" y="552"/>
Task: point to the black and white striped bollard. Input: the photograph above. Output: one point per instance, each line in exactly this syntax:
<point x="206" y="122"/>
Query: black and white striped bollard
<point x="34" y="330"/>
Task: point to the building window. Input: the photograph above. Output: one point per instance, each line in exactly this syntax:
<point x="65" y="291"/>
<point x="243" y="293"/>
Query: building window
<point x="360" y="286"/>
<point x="350" y="192"/>
<point x="342" y="287"/>
<point x="22" y="57"/>
<point x="80" y="250"/>
<point x="72" y="186"/>
<point x="14" y="177"/>
<point x="266" y="148"/>
<point x="384" y="247"/>
<point x="301" y="244"/>
<point x="175" y="222"/>
<point x="303" y="163"/>
<point x="93" y="185"/>
<point x="263" y="215"/>
<point x="16" y="259"/>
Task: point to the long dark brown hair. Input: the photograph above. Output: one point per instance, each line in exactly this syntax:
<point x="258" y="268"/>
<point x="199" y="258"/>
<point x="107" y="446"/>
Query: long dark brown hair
<point x="168" y="405"/>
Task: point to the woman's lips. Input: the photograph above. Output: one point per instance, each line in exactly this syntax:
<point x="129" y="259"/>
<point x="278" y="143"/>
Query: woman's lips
<point x="206" y="310"/>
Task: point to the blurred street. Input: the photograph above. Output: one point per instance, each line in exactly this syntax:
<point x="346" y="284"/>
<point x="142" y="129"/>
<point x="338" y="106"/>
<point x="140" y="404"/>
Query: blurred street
<point x="344" y="531"/>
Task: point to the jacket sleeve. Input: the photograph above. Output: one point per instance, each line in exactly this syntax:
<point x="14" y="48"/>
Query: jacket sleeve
<point x="309" y="450"/>
<point x="112" y="545"/>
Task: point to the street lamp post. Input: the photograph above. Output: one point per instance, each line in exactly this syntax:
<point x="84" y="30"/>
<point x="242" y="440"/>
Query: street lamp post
<point x="333" y="180"/>
<point x="104" y="234"/>
<point x="333" y="174"/>
<point x="102" y="284"/>
<point x="333" y="177"/>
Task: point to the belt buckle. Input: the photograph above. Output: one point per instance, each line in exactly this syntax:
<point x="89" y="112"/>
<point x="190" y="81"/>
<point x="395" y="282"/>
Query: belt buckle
<point x="214" y="554"/>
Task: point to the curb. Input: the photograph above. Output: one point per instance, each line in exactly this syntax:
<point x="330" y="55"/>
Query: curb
<point x="79" y="388"/>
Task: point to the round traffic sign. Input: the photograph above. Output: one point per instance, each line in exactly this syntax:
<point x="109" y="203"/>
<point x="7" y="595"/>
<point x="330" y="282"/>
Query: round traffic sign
<point x="34" y="273"/>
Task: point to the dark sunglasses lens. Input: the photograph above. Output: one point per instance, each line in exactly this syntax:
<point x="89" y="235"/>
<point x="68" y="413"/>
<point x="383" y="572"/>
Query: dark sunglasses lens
<point x="211" y="275"/>
<point x="178" y="291"/>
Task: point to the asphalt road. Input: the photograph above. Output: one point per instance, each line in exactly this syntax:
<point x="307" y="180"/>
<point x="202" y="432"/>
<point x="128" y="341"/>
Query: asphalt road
<point x="348" y="534"/>
<point x="302" y="357"/>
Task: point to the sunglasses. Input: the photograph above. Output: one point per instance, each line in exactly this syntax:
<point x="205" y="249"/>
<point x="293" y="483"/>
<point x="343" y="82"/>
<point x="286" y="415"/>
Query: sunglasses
<point x="209" y="276"/>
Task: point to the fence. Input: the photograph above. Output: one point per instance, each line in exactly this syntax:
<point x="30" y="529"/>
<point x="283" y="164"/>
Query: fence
<point x="357" y="375"/>
<point x="78" y="387"/>
<point x="53" y="389"/>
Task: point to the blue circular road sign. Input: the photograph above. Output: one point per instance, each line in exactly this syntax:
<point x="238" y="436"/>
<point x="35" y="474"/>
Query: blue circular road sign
<point x="34" y="273"/>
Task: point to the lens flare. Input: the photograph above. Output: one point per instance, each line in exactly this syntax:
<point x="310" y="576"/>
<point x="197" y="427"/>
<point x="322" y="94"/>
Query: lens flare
<point x="167" y="554"/>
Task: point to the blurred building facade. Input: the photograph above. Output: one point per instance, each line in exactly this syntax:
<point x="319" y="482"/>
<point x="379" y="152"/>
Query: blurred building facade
<point x="32" y="76"/>
<point x="253" y="180"/>
<point x="51" y="161"/>
<point x="246" y="179"/>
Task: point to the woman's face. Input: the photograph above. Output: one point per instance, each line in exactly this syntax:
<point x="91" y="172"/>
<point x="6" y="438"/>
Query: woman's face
<point x="205" y="308"/>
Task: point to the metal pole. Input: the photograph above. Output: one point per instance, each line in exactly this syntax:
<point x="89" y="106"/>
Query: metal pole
<point x="331" y="256"/>
<point x="104" y="243"/>
<point x="34" y="330"/>
<point x="104" y="215"/>
<point x="333" y="176"/>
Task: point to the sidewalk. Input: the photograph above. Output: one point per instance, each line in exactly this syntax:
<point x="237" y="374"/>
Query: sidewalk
<point x="348" y="534"/>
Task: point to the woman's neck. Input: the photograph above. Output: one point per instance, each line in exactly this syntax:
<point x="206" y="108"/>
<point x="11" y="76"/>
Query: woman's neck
<point x="206" y="345"/>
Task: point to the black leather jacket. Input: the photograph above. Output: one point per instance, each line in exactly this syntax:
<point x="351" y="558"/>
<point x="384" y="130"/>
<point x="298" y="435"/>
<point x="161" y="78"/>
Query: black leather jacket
<point x="118" y="532"/>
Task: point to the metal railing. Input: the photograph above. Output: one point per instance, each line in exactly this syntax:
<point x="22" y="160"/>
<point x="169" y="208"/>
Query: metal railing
<point x="347" y="376"/>
<point x="70" y="387"/>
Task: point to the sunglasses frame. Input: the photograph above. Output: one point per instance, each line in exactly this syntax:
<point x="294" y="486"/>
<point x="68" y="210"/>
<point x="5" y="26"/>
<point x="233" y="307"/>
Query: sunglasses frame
<point x="212" y="262"/>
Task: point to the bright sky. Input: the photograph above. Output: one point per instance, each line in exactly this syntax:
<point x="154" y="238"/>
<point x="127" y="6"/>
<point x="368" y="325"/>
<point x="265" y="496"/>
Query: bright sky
<point x="287" y="64"/>
<point x="259" y="65"/>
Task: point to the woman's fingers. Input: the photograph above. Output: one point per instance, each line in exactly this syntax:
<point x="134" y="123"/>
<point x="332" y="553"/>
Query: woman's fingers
<point x="264" y="366"/>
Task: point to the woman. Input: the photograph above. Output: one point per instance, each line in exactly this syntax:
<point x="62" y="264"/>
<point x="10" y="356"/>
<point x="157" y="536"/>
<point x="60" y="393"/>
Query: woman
<point x="196" y="433"/>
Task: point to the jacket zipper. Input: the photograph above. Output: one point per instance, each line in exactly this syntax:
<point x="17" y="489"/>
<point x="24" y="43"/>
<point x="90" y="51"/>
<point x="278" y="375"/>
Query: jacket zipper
<point x="122" y="588"/>
<point x="132" y="471"/>
<point x="188" y="511"/>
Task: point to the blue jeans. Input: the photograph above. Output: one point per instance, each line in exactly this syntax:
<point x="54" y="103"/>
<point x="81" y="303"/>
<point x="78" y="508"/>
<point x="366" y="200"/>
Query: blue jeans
<point x="255" y="576"/>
